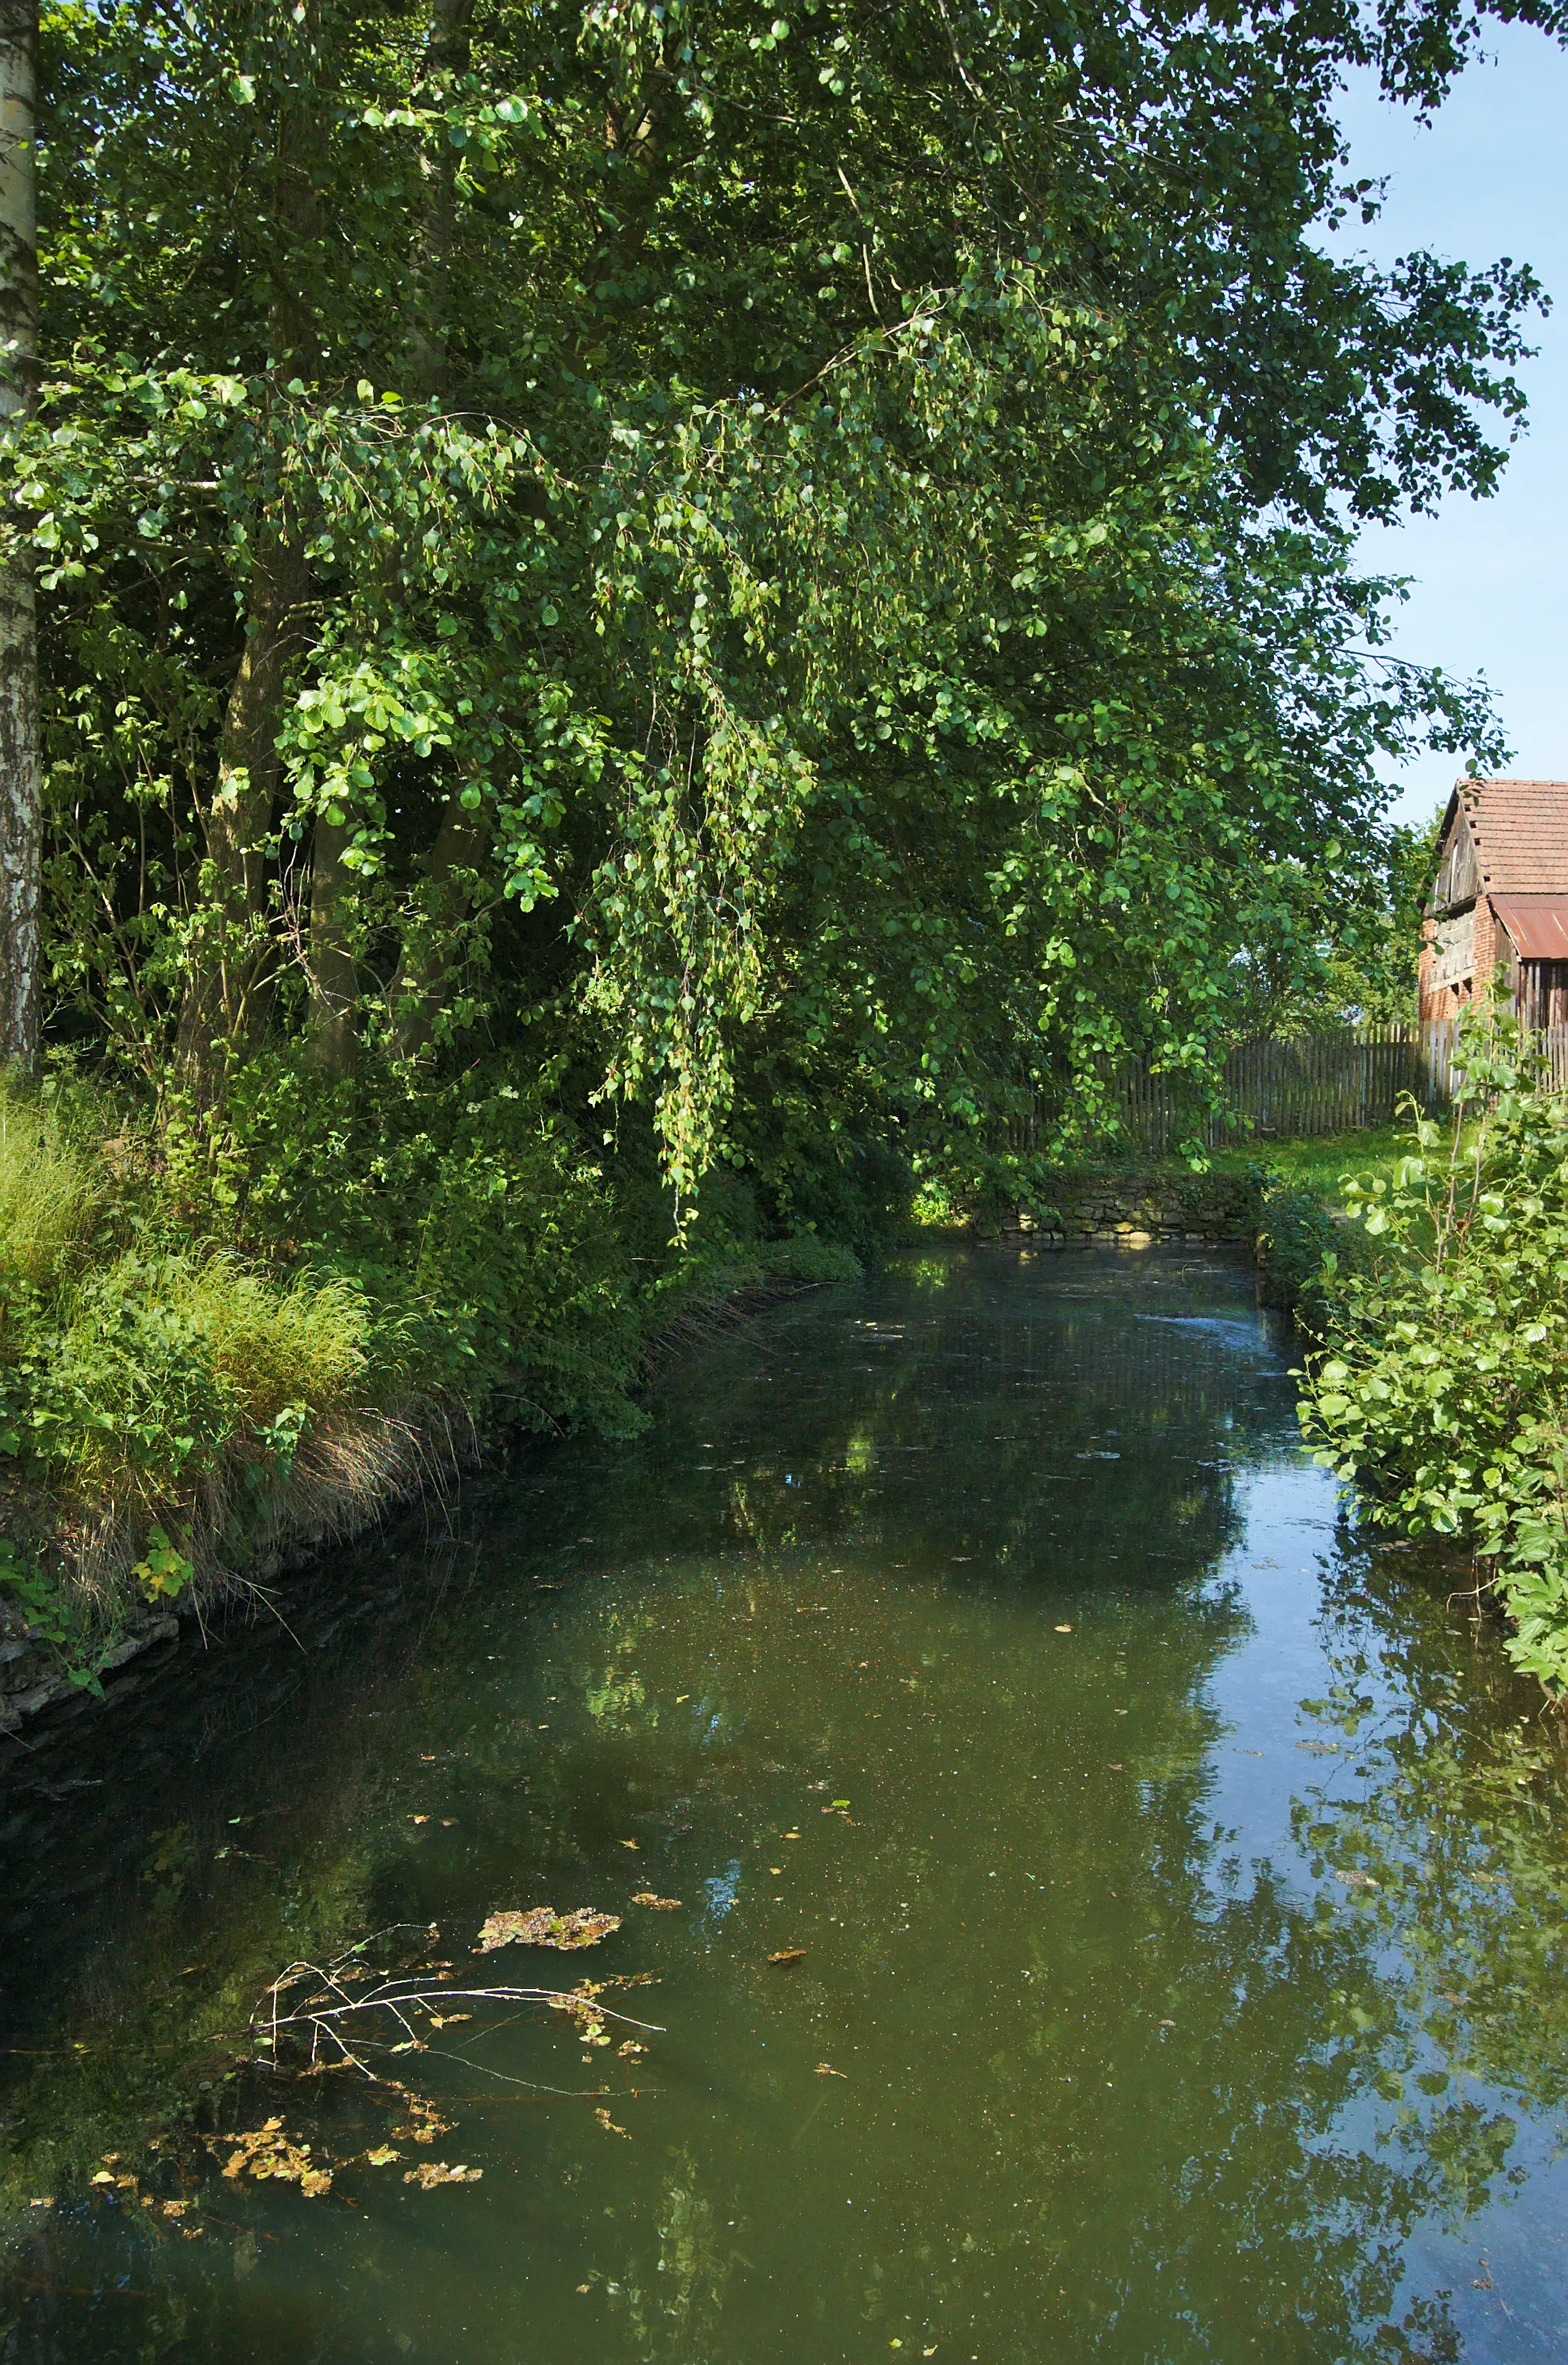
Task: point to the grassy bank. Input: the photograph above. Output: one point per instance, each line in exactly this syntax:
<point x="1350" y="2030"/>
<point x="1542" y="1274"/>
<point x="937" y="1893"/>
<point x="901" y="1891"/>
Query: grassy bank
<point x="1320" y="1163"/>
<point x="216" y="1348"/>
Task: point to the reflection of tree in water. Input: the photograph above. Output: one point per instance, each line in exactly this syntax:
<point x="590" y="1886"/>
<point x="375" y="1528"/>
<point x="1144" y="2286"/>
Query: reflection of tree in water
<point x="1296" y="2123"/>
<point x="1250" y="2180"/>
<point x="1452" y="1833"/>
<point x="1110" y="2093"/>
<point x="683" y="2306"/>
<point x="1059" y="1429"/>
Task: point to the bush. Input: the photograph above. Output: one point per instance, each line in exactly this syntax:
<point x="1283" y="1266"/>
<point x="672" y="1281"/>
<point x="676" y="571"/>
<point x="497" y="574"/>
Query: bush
<point x="222" y="1329"/>
<point x="1302" y="1251"/>
<point x="1443" y="1388"/>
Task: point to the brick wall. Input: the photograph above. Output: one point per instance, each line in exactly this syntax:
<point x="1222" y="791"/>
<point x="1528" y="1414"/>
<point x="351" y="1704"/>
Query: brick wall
<point x="1448" y="1000"/>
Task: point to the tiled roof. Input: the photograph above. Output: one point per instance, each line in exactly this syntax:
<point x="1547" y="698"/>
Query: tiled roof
<point x="1521" y="829"/>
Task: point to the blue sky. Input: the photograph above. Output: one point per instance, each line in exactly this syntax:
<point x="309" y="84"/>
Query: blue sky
<point x="1489" y="177"/>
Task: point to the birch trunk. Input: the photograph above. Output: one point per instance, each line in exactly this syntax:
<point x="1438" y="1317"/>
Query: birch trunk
<point x="21" y="768"/>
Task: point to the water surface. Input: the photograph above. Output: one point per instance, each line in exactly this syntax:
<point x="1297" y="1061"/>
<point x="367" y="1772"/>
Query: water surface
<point x="1180" y="1890"/>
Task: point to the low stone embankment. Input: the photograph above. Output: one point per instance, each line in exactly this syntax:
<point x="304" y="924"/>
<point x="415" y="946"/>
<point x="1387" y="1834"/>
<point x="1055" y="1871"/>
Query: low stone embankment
<point x="1130" y="1210"/>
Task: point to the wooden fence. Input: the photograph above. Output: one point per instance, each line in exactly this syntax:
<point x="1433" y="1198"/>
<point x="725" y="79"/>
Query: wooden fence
<point x="1333" y="1082"/>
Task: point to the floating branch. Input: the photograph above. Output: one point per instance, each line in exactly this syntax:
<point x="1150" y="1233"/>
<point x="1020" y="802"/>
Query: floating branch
<point x="355" y="2007"/>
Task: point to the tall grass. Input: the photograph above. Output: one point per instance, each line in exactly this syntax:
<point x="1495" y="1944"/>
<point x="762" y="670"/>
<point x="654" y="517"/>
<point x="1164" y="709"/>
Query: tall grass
<point x="176" y="1374"/>
<point x="52" y="1193"/>
<point x="151" y="1385"/>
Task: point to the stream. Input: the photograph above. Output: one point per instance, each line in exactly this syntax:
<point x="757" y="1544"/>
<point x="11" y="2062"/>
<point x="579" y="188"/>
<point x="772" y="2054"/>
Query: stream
<point x="1171" y="1887"/>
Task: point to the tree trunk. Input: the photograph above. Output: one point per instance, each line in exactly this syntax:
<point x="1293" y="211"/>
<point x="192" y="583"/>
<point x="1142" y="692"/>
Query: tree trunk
<point x="449" y="55"/>
<point x="21" y="767"/>
<point x="231" y="962"/>
<point x="334" y="990"/>
<point x="427" y="959"/>
<point x="233" y="950"/>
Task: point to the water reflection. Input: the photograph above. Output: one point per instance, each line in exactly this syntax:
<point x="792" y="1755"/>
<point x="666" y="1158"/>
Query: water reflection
<point x="1180" y="1909"/>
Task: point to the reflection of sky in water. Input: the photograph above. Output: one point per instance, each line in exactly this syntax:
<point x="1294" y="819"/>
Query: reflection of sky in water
<point x="721" y="1889"/>
<point x="1079" y="1885"/>
<point x="1245" y="1335"/>
<point x="706" y="1722"/>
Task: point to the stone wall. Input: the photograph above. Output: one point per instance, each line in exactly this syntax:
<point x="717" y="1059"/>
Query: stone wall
<point x="1120" y="1208"/>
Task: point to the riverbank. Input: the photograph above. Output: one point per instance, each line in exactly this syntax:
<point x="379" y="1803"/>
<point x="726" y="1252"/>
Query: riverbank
<point x="221" y="1352"/>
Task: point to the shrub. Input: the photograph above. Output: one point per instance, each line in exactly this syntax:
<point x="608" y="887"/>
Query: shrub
<point x="1302" y="1251"/>
<point x="1443" y="1389"/>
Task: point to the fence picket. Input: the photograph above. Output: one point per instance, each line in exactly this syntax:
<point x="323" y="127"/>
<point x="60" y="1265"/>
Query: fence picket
<point x="1333" y="1082"/>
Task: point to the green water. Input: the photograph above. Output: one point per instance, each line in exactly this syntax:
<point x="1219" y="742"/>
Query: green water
<point x="1180" y="1887"/>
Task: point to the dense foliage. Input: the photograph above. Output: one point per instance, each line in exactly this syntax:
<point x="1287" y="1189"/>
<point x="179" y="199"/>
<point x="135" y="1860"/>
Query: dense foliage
<point x="175" y="1403"/>
<point x="785" y="561"/>
<point x="646" y="608"/>
<point x="1443" y="1389"/>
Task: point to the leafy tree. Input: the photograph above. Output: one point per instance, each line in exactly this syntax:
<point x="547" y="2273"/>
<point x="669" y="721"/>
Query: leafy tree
<point x="21" y="819"/>
<point x="798" y="567"/>
<point x="1340" y="946"/>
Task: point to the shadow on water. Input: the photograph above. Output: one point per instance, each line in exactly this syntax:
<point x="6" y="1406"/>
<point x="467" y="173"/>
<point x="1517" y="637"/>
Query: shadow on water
<point x="1179" y="1890"/>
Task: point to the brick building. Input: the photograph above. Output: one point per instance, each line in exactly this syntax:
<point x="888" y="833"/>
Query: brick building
<point x="1497" y="914"/>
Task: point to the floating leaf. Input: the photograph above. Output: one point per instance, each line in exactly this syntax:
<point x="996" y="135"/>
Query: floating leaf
<point x="383" y="2155"/>
<point x="788" y="1955"/>
<point x="543" y="1926"/>
<point x="266" y="2152"/>
<point x="659" y="1904"/>
<point x="608" y="2124"/>
<point x="431" y="2173"/>
<point x="826" y="2069"/>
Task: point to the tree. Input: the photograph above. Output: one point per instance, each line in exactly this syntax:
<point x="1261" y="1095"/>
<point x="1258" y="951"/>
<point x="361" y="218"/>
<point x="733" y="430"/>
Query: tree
<point x="21" y="822"/>
<point x="802" y="563"/>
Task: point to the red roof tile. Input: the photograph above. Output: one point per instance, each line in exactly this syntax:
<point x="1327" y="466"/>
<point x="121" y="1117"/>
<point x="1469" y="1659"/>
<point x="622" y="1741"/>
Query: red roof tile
<point x="1521" y="828"/>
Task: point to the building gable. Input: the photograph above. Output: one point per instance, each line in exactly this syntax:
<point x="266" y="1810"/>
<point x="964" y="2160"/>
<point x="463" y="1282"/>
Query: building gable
<point x="1497" y="915"/>
<point x="1459" y="863"/>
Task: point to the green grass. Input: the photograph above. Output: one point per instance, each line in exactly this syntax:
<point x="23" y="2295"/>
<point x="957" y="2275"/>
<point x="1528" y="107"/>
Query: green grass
<point x="51" y="1192"/>
<point x="1319" y="1162"/>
